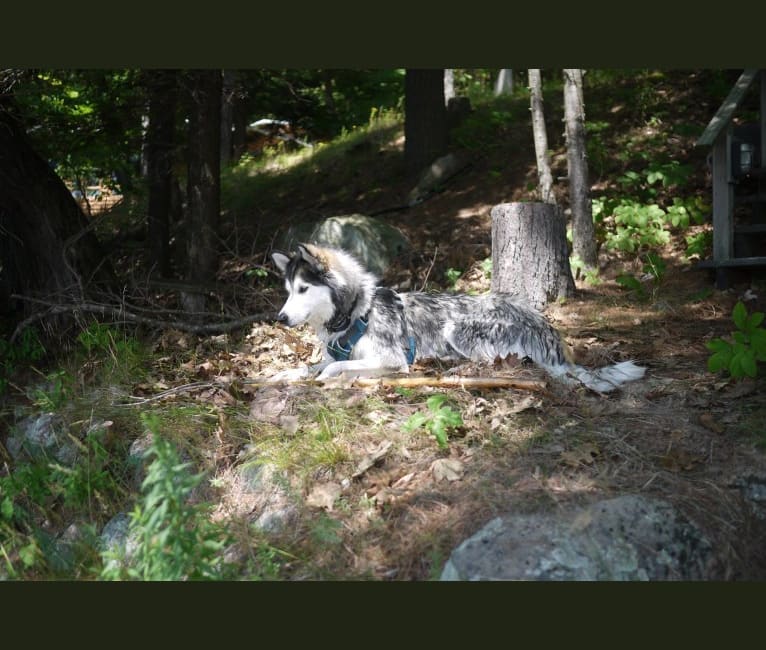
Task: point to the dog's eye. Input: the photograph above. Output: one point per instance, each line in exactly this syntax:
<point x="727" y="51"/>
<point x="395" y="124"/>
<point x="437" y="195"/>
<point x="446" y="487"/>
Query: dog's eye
<point x="303" y="289"/>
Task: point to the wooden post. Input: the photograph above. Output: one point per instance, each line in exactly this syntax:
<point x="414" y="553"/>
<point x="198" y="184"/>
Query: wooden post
<point x="762" y="80"/>
<point x="723" y="203"/>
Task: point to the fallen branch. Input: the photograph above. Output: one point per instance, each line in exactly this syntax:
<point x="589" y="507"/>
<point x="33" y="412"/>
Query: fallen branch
<point x="467" y="383"/>
<point x="120" y="314"/>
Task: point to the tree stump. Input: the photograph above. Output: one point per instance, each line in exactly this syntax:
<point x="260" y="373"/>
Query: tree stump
<point x="530" y="256"/>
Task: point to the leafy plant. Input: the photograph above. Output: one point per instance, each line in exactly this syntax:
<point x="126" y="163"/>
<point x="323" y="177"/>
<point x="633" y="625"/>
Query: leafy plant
<point x="654" y="270"/>
<point x="175" y="539"/>
<point x="740" y="357"/>
<point x="438" y="420"/>
<point x="452" y="276"/>
<point x="25" y="350"/>
<point x="699" y="243"/>
<point x="55" y="393"/>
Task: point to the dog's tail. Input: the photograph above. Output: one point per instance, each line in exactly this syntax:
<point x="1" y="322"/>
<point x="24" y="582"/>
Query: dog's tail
<point x="607" y="378"/>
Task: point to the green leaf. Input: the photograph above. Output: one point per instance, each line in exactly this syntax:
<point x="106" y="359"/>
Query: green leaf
<point x="415" y="421"/>
<point x="754" y="320"/>
<point x="6" y="509"/>
<point x="435" y="401"/>
<point x="739" y="314"/>
<point x="748" y="364"/>
<point x="718" y="362"/>
<point x="718" y="345"/>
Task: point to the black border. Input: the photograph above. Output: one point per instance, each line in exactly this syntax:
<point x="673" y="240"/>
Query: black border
<point x="384" y="35"/>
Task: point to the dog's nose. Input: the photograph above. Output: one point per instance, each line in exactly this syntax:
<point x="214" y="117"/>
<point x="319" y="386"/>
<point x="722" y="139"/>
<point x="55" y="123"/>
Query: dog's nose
<point x="282" y="318"/>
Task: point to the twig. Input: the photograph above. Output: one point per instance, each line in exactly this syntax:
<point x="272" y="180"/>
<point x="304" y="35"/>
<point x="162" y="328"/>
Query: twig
<point x="122" y="315"/>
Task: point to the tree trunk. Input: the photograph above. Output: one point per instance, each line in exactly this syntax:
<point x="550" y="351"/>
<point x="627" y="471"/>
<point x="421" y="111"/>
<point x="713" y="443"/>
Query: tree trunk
<point x="530" y="256"/>
<point x="504" y="83"/>
<point x="228" y="101"/>
<point x="161" y="90"/>
<point x="583" y="234"/>
<point x="204" y="204"/>
<point x="449" y="85"/>
<point x="425" y="119"/>
<point x="46" y="248"/>
<point x="541" y="137"/>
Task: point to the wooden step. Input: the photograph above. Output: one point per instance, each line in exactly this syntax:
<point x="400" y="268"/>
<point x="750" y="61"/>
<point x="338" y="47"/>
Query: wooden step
<point x="733" y="262"/>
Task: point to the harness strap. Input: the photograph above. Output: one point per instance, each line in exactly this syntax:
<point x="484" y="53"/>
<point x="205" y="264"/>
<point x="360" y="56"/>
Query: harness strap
<point x="341" y="348"/>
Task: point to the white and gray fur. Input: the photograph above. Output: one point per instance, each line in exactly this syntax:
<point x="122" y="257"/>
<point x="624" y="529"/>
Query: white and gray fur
<point x="329" y="289"/>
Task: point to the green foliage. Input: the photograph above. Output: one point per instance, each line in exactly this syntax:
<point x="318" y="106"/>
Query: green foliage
<point x="486" y="267"/>
<point x="654" y="269"/>
<point x="115" y="351"/>
<point x="437" y="421"/>
<point x="24" y="351"/>
<point x="638" y="225"/>
<point x="55" y="393"/>
<point x="699" y="243"/>
<point x="591" y="275"/>
<point x="452" y="276"/>
<point x="740" y="356"/>
<point x="175" y="539"/>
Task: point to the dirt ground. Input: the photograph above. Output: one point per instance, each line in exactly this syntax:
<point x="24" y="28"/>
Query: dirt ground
<point x="682" y="434"/>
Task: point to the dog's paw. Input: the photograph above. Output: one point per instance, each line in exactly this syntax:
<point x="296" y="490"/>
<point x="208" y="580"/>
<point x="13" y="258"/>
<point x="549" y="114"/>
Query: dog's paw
<point x="292" y="374"/>
<point x="333" y="370"/>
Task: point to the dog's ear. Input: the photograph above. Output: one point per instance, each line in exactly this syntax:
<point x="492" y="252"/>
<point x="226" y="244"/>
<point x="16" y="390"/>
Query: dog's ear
<point x="303" y="251"/>
<point x="280" y="261"/>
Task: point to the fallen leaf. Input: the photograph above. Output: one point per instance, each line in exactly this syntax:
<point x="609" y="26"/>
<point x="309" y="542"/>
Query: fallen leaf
<point x="323" y="495"/>
<point x="268" y="404"/>
<point x="447" y="468"/>
<point x="403" y="481"/>
<point x="370" y="459"/>
<point x="528" y="402"/>
<point x="584" y="454"/>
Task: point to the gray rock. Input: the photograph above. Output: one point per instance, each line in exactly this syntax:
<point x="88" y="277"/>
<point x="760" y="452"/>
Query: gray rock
<point x="374" y="242"/>
<point x="626" y="538"/>
<point x="272" y="507"/>
<point x="42" y="435"/>
<point x="117" y="541"/>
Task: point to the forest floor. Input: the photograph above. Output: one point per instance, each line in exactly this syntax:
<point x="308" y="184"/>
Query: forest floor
<point x="375" y="499"/>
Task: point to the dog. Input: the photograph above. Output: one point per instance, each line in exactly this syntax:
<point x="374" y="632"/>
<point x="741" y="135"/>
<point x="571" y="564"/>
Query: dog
<point x="368" y="330"/>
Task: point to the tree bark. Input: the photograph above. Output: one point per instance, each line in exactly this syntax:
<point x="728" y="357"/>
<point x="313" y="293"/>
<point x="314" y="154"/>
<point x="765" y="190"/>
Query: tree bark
<point x="425" y="118"/>
<point x="504" y="83"/>
<point x="46" y="247"/>
<point x="449" y="85"/>
<point x="530" y="256"/>
<point x="228" y="101"/>
<point x="204" y="203"/>
<point x="545" y="178"/>
<point x="583" y="234"/>
<point x="161" y="88"/>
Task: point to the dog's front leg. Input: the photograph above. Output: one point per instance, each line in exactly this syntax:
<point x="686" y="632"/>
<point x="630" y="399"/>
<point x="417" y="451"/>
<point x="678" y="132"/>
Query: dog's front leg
<point x="356" y="368"/>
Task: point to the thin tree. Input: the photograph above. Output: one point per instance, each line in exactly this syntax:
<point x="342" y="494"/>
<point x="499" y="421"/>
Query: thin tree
<point x="204" y="186"/>
<point x="449" y="85"/>
<point x="161" y="88"/>
<point x="425" y="118"/>
<point x="545" y="178"/>
<point x="504" y="82"/>
<point x="583" y="234"/>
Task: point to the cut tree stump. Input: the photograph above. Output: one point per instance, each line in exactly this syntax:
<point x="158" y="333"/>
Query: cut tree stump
<point x="530" y="256"/>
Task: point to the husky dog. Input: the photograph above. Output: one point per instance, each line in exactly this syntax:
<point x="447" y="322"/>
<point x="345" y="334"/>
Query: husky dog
<point x="366" y="328"/>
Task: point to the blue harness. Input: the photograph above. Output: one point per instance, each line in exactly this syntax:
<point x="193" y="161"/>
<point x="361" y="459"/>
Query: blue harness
<point x="341" y="348"/>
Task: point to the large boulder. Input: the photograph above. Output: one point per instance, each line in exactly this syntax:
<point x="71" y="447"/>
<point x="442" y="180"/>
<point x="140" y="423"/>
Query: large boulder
<point x="374" y="242"/>
<point x="626" y="538"/>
